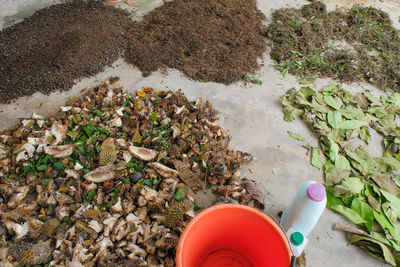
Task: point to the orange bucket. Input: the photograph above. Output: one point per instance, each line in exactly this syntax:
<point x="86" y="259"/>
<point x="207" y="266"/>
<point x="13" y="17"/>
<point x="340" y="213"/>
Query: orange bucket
<point x="233" y="235"/>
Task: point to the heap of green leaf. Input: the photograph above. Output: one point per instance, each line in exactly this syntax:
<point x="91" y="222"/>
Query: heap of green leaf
<point x="361" y="188"/>
<point x="304" y="42"/>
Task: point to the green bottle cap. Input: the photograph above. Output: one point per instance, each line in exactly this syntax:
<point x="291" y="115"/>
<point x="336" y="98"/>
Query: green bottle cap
<point x="296" y="238"/>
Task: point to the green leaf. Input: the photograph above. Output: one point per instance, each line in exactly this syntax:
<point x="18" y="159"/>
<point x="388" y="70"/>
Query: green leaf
<point x="371" y="98"/>
<point x="350" y="112"/>
<point x="364" y="210"/>
<point x="154" y="116"/>
<point x="364" y="135"/>
<point x="180" y="194"/>
<point x="316" y="158"/>
<point x="307" y="80"/>
<point x="355" y="185"/>
<point x="387" y="163"/>
<point x="378" y="112"/>
<point x="385" y="223"/>
<point x="350" y="214"/>
<point x="291" y="113"/>
<point x="394" y="99"/>
<point x="392" y="199"/>
<point x="334" y="119"/>
<point x="342" y="163"/>
<point x="335" y="103"/>
<point x="307" y="91"/>
<point x="331" y="200"/>
<point x="295" y="136"/>
<point x="352" y="124"/>
<point x="58" y="165"/>
<point x="333" y="150"/>
<point x="335" y="176"/>
<point x="42" y="167"/>
<point x="285" y="73"/>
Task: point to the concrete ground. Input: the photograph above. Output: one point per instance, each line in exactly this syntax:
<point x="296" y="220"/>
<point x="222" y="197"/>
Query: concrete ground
<point x="252" y="114"/>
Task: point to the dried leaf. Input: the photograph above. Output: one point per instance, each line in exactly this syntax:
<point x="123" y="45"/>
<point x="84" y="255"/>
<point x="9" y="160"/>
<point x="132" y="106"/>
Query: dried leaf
<point x="301" y="260"/>
<point x="349" y="228"/>
<point x="255" y="192"/>
<point x="386" y="183"/>
<point x="375" y="248"/>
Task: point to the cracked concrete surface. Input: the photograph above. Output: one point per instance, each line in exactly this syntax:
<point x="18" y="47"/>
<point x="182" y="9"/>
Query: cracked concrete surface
<point x="252" y="114"/>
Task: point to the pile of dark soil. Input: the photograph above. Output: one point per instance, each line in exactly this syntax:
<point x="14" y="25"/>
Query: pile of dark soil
<point x="305" y="42"/>
<point x="208" y="40"/>
<point x="58" y="45"/>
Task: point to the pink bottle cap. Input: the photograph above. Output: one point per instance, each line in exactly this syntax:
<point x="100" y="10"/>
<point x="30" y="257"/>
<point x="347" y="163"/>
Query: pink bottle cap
<point x="316" y="192"/>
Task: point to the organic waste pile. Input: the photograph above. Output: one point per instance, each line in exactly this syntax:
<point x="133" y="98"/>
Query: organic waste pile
<point x="361" y="188"/>
<point x="208" y="40"/>
<point x="58" y="45"/>
<point x="112" y="179"/>
<point x="359" y="44"/>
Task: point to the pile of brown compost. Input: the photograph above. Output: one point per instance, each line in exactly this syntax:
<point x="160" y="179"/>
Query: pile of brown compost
<point x="359" y="44"/>
<point x="58" y="45"/>
<point x="208" y="40"/>
<point x="113" y="178"/>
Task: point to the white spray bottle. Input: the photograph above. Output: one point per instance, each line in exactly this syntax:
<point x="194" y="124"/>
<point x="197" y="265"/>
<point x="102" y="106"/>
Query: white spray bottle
<point x="303" y="213"/>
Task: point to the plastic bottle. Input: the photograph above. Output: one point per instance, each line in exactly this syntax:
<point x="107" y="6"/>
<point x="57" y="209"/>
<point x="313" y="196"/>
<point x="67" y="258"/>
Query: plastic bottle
<point x="304" y="211"/>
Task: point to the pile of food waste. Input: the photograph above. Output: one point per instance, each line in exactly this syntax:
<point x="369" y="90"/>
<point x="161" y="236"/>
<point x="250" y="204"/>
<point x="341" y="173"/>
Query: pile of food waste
<point x="112" y="179"/>
<point x="361" y="187"/>
<point x="357" y="44"/>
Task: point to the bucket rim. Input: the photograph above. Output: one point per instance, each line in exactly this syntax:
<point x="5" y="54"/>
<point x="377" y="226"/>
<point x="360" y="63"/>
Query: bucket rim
<point x="188" y="227"/>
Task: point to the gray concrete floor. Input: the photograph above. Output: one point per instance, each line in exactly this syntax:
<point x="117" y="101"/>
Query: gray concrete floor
<point x="252" y="114"/>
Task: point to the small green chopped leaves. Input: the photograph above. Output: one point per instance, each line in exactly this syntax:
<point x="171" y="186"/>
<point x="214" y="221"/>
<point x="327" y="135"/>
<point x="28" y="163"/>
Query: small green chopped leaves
<point x="154" y="116"/>
<point x="180" y="194"/>
<point x="58" y="165"/>
<point x="90" y="196"/>
<point x="45" y="181"/>
<point x="295" y="136"/>
<point x="42" y="167"/>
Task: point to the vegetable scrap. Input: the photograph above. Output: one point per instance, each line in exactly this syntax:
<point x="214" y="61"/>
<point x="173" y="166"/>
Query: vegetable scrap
<point x="357" y="44"/>
<point x="104" y="183"/>
<point x="360" y="187"/>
